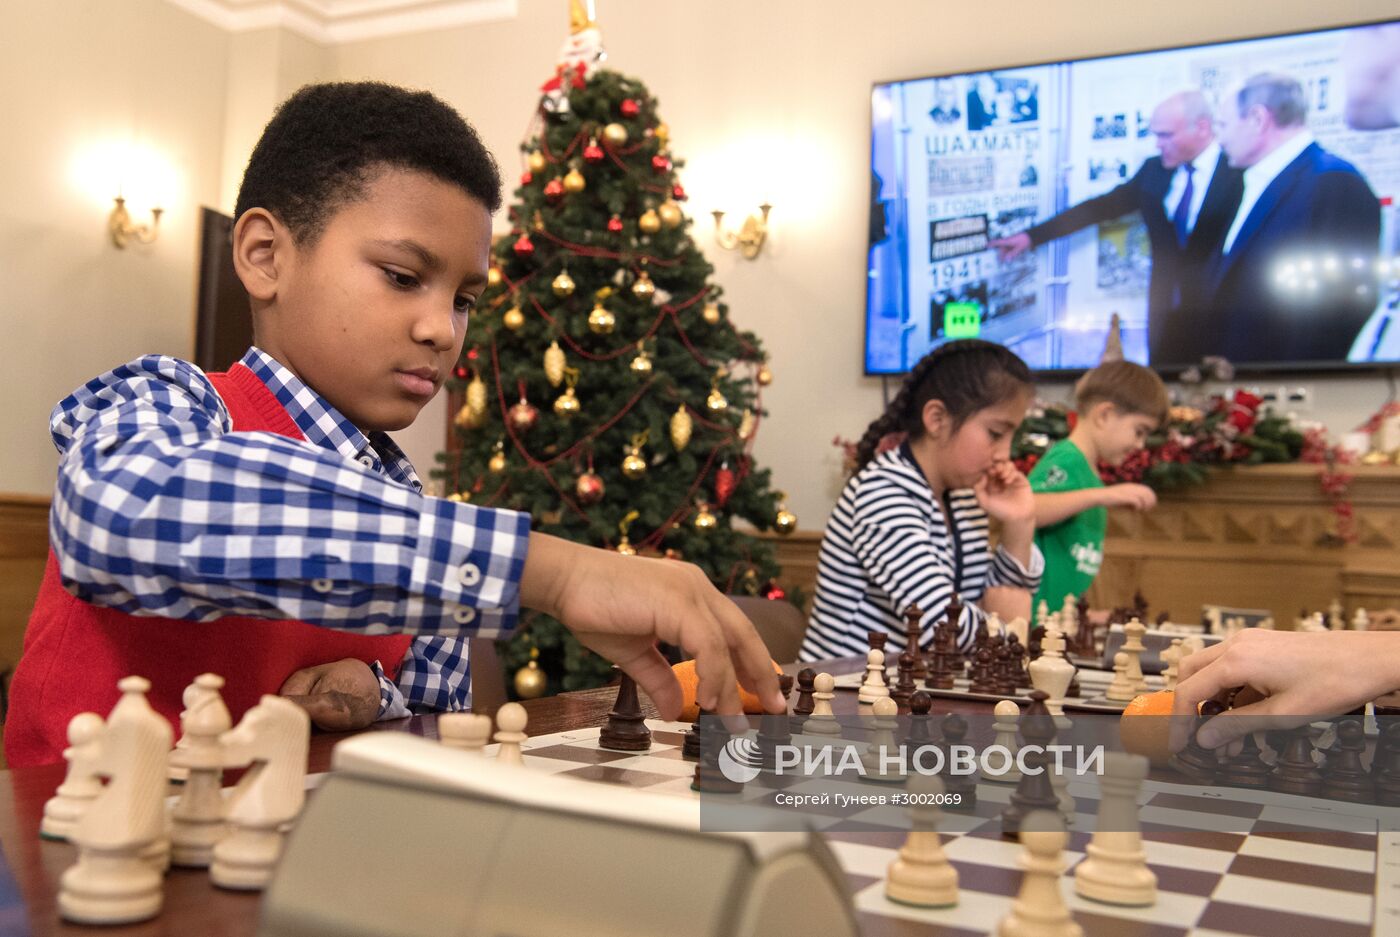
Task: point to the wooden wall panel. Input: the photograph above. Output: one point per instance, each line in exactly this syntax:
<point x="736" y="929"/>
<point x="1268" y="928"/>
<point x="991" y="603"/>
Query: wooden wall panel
<point x="24" y="546"/>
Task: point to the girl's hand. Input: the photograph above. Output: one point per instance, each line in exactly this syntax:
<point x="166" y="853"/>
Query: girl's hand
<point x="1005" y="494"/>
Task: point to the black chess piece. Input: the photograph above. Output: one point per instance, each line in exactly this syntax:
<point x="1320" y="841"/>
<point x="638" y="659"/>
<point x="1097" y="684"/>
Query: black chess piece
<point x="1295" y="772"/>
<point x="1005" y="670"/>
<point x="920" y="722"/>
<point x="1245" y="769"/>
<point x="626" y="729"/>
<point x="1019" y="676"/>
<point x="774" y="730"/>
<point x="1385" y="767"/>
<point x="1197" y="763"/>
<point x="1343" y="777"/>
<point x="982" y="674"/>
<point x="914" y="641"/>
<point x="961" y="787"/>
<point x="1086" y="637"/>
<point x="690" y="745"/>
<point x="905" y="686"/>
<point x="708" y="778"/>
<point x="806" y="686"/>
<point x="943" y="659"/>
<point x="1033" y="790"/>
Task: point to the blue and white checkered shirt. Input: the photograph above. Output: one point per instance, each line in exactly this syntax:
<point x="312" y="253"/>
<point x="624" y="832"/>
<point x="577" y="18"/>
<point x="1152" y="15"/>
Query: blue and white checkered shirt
<point x="161" y="509"/>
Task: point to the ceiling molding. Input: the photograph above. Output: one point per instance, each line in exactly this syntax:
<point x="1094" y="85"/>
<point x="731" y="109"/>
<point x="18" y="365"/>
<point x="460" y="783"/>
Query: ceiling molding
<point x="331" y="22"/>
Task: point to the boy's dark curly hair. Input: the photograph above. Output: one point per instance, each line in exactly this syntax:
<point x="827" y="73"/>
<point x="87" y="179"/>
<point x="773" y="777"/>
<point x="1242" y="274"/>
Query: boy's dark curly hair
<point x="327" y="142"/>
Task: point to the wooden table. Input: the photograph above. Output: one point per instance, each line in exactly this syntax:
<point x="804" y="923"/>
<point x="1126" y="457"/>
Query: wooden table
<point x="193" y="906"/>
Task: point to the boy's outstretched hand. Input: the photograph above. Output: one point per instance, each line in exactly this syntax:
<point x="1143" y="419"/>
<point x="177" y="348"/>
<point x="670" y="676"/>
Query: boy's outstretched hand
<point x="620" y="606"/>
<point x="339" y="696"/>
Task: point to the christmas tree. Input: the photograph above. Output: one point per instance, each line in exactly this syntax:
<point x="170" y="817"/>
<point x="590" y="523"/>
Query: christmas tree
<point x="603" y="387"/>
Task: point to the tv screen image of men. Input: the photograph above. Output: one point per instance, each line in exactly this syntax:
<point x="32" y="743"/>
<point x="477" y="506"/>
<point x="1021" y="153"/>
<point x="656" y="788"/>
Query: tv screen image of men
<point x="1295" y="277"/>
<point x="1187" y="196"/>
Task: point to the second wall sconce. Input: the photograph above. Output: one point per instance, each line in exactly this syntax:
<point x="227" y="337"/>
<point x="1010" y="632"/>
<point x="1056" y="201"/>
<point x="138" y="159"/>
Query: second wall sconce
<point x="751" y="235"/>
<point x="124" y="230"/>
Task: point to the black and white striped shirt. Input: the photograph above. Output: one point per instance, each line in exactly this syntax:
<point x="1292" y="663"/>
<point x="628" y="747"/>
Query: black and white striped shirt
<point x="888" y="546"/>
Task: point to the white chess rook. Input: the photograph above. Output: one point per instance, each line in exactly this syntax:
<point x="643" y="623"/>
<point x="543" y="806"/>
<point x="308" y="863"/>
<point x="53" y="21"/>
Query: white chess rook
<point x="271" y="739"/>
<point x="111" y="883"/>
<point x="922" y="875"/>
<point x="1115" y="869"/>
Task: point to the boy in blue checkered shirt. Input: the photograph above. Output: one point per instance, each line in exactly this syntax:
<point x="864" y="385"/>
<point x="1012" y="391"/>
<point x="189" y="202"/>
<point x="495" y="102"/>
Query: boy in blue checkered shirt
<point x="182" y="542"/>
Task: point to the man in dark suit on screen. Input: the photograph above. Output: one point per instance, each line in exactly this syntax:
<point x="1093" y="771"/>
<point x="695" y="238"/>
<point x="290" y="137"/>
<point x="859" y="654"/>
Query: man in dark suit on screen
<point x="1295" y="279"/>
<point x="1187" y="196"/>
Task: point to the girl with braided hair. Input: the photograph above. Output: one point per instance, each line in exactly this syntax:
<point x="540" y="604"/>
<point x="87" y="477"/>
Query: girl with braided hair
<point x="911" y="525"/>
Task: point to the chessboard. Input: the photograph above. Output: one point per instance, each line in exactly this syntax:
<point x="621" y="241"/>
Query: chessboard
<point x="1092" y="686"/>
<point x="1288" y="865"/>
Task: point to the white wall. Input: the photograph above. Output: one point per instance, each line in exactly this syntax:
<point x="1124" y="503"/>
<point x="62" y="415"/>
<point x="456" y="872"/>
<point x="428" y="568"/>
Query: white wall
<point x="764" y="99"/>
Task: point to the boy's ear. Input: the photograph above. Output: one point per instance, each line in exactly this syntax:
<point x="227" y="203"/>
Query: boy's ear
<point x="935" y="418"/>
<point x="1101" y="412"/>
<point x="258" y="241"/>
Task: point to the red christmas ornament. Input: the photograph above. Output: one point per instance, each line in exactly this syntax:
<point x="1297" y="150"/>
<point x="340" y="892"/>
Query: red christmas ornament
<point x="589" y="488"/>
<point x="524" y="247"/>
<point x="628" y="108"/>
<point x="593" y="153"/>
<point x="614" y="225"/>
<point x="524" y="414"/>
<point x="660" y="163"/>
<point x="678" y="192"/>
<point x="527" y="177"/>
<point x="773" y="592"/>
<point x="725" y="483"/>
<point x="460" y="372"/>
<point x="554" y="190"/>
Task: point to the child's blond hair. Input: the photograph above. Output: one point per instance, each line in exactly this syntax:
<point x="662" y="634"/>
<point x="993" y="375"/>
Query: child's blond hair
<point x="1130" y="387"/>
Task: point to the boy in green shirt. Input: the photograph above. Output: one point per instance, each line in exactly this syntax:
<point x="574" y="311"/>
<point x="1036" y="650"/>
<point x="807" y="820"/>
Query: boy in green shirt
<point x="1119" y="404"/>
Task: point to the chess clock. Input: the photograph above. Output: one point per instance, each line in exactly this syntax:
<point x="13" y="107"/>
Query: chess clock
<point x="409" y="838"/>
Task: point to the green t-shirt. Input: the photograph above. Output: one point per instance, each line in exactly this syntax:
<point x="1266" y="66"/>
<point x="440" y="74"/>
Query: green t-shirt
<point x="1073" y="548"/>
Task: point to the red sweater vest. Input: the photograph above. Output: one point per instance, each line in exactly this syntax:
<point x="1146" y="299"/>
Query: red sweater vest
<point x="75" y="652"/>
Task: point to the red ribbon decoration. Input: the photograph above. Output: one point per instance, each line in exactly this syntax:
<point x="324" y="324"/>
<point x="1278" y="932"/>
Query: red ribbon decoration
<point x="574" y="73"/>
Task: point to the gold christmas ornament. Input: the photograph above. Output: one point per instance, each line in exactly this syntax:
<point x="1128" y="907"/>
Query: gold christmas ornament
<point x="493" y="276"/>
<point x="568" y="405"/>
<point x="476" y="394"/>
<point x="563" y="285"/>
<point x="662" y="133"/>
<point x="669" y="213"/>
<point x="746" y="425"/>
<point x="623" y="545"/>
<point x="574" y="182"/>
<point x="513" y="318"/>
<point x="784" y="522"/>
<point x="716" y="403"/>
<point x="641" y="365"/>
<point x="633" y="465"/>
<point x="600" y="320"/>
<point x="530" y="680"/>
<point x="459" y="496"/>
<point x="681" y="427"/>
<point x="704" y="520"/>
<point x="765" y="376"/>
<point x="497" y="462"/>
<point x="643" y="288"/>
<point x="615" y="133"/>
<point x="554" y="364"/>
<point x="710" y="313"/>
<point x="650" y="222"/>
<point x="467" y="418"/>
<point x="536" y="161"/>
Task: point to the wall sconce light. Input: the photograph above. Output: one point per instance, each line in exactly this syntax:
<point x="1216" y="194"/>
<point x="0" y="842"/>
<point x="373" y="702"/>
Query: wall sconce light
<point x="749" y="239"/>
<point x="124" y="230"/>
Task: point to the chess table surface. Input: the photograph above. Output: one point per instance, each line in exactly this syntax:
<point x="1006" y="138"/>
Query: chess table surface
<point x="1317" y="879"/>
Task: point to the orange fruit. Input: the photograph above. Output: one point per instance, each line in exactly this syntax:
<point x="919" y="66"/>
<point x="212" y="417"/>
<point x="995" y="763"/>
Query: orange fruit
<point x="1145" y="728"/>
<point x="685" y="673"/>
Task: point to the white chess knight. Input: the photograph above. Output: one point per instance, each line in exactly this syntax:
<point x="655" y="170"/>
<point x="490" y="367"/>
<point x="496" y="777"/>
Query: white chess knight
<point x="1172" y="658"/>
<point x="197" y="822"/>
<point x="922" y="875"/>
<point x="271" y="739"/>
<point x="112" y="883"/>
<point x="81" y="785"/>
<point x="1114" y="869"/>
<point x="873" y="687"/>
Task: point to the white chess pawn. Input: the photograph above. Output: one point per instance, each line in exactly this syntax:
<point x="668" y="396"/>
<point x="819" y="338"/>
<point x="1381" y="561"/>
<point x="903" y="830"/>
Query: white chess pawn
<point x="510" y="732"/>
<point x="1172" y="658"/>
<point x="873" y="687"/>
<point x="994" y="625"/>
<point x="1360" y="621"/>
<point x="881" y="742"/>
<point x="822" y="721"/>
<point x="922" y="875"/>
<point x="1042" y="614"/>
<point x="197" y="822"/>
<point x="112" y="883"/>
<point x="81" y="784"/>
<point x="1008" y="720"/>
<point x="1133" y="647"/>
<point x="1121" y="689"/>
<point x="1039" y="909"/>
<point x="468" y="732"/>
<point x="1115" y="869"/>
<point x="272" y="740"/>
<point x="1336" y="617"/>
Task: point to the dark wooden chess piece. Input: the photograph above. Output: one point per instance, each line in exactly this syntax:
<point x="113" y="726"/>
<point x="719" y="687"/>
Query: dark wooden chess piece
<point x="774" y="730"/>
<point x="1086" y="636"/>
<point x="1139" y="605"/>
<point x="963" y="785"/>
<point x="1163" y="617"/>
<point x="953" y="614"/>
<point x="1343" y="777"/>
<point x="806" y="686"/>
<point x="914" y="641"/>
<point x="980" y="637"/>
<point x="1005" y="670"/>
<point x="1295" y="772"/>
<point x="709" y="779"/>
<point x="940" y="674"/>
<point x="1019" y="676"/>
<point x="690" y="745"/>
<point x="1246" y="769"/>
<point x="982" y="675"/>
<point x="1034" y="790"/>
<point x="1197" y="763"/>
<point x="1385" y="766"/>
<point x="626" y="729"/>
<point x="920" y="728"/>
<point x="905" y="686"/>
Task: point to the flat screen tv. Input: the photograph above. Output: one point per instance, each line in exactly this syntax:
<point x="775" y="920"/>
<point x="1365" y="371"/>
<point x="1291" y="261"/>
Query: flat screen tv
<point x="1234" y="199"/>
